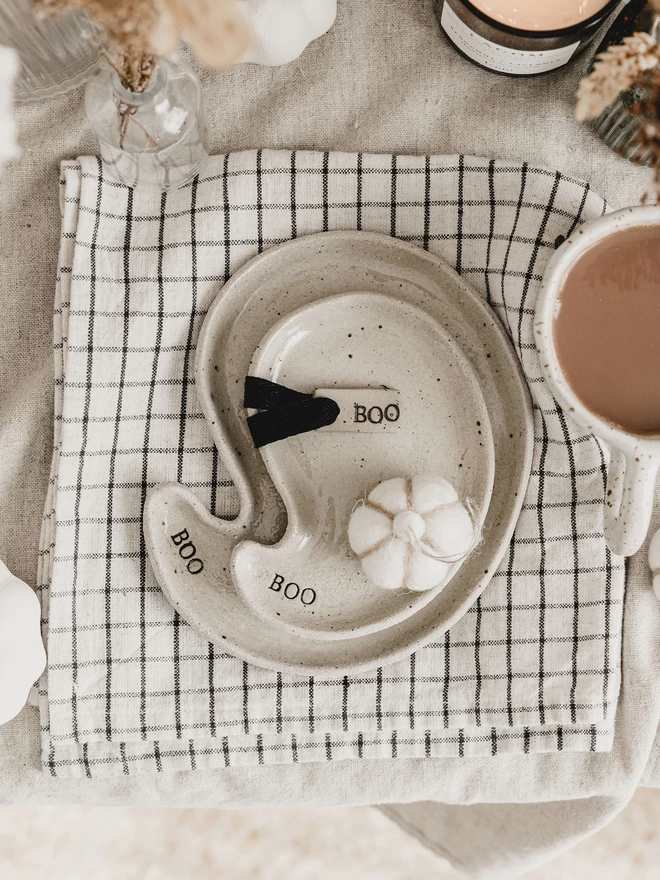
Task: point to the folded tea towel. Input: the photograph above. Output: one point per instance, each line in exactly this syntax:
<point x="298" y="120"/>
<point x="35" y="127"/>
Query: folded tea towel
<point x="533" y="667"/>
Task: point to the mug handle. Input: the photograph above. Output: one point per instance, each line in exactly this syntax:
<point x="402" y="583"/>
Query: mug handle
<point x="629" y="500"/>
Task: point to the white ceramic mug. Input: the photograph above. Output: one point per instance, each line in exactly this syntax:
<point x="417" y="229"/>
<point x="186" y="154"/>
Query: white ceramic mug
<point x="635" y="459"/>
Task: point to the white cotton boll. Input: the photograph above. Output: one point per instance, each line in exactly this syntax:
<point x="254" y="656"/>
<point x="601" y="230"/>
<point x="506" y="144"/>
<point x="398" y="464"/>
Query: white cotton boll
<point x="368" y="528"/>
<point x="425" y="573"/>
<point x="450" y="531"/>
<point x="392" y="495"/>
<point x="386" y="566"/>
<point x="430" y="493"/>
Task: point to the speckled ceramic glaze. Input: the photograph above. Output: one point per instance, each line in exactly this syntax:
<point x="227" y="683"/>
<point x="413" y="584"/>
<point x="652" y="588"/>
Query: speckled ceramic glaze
<point x="287" y="316"/>
<point x="635" y="460"/>
<point x="360" y="341"/>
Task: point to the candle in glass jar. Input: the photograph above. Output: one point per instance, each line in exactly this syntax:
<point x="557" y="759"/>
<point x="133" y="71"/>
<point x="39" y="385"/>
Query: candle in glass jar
<point x="540" y="15"/>
<point x="522" y="37"/>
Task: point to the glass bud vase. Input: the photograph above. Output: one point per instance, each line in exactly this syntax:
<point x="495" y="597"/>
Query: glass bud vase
<point x="155" y="139"/>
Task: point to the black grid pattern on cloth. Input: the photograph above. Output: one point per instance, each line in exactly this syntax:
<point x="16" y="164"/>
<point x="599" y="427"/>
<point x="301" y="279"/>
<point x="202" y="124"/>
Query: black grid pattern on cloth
<point x="534" y="665"/>
<point x="117" y="759"/>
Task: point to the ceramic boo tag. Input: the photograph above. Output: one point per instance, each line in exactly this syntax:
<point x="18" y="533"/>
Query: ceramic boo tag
<point x="364" y="410"/>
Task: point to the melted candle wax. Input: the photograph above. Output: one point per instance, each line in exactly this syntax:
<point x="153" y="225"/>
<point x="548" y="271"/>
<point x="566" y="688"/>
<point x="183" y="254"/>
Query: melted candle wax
<point x="540" y="15"/>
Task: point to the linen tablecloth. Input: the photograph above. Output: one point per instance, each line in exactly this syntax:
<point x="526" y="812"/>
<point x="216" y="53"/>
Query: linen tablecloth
<point x="382" y="79"/>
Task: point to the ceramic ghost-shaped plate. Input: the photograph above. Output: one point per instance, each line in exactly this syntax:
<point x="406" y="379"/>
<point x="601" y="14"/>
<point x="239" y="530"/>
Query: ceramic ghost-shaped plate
<point x="390" y="358"/>
<point x="413" y="328"/>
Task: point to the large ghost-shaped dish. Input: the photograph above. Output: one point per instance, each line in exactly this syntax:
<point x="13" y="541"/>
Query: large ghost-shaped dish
<point x="345" y="313"/>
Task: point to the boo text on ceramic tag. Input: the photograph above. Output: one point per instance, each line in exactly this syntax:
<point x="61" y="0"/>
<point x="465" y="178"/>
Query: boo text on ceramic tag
<point x="364" y="410"/>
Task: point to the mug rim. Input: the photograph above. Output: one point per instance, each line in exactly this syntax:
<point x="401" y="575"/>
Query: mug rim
<point x="562" y="261"/>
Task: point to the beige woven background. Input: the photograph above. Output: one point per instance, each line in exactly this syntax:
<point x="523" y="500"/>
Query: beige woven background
<point x="79" y="843"/>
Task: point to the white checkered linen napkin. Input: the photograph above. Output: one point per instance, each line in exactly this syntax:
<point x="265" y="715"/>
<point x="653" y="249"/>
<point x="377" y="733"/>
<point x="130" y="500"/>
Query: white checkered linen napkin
<point x="534" y="665"/>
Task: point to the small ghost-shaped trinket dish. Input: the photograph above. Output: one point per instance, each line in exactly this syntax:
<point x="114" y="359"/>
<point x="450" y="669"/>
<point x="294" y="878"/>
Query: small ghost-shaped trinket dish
<point x="326" y="367"/>
<point x="406" y="402"/>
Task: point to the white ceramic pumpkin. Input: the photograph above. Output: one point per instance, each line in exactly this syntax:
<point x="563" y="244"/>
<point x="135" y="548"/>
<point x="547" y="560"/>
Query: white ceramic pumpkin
<point x="410" y="532"/>
<point x="22" y="655"/>
<point x="8" y="71"/>
<point x="282" y="29"/>
<point x="654" y="562"/>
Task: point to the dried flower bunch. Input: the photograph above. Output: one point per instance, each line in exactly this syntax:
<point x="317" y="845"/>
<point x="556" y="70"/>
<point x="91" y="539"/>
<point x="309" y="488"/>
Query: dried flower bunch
<point x="616" y="70"/>
<point x="648" y="136"/>
<point x="635" y="63"/>
<point x="137" y="31"/>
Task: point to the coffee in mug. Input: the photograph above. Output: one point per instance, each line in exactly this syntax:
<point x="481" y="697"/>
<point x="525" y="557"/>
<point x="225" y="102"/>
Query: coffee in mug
<point x="607" y="329"/>
<point x="597" y="332"/>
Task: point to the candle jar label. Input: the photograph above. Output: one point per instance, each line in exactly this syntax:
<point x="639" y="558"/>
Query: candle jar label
<point x="502" y="58"/>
